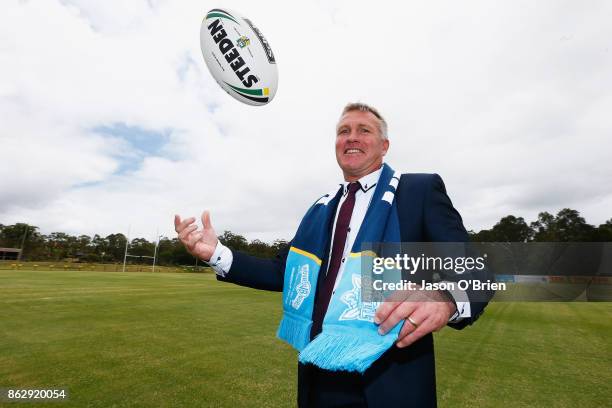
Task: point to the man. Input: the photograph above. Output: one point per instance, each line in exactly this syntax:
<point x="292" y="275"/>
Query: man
<point x="404" y="375"/>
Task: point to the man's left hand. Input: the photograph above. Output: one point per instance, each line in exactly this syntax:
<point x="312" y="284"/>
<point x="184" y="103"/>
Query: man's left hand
<point x="428" y="311"/>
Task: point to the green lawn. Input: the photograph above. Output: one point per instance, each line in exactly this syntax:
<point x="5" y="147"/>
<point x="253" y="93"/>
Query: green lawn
<point x="164" y="339"/>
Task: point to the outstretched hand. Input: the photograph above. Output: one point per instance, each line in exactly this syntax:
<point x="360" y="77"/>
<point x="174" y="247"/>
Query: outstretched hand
<point x="199" y="243"/>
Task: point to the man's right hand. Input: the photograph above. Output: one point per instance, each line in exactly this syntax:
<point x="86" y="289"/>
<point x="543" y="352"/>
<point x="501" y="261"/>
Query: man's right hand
<point x="200" y="243"/>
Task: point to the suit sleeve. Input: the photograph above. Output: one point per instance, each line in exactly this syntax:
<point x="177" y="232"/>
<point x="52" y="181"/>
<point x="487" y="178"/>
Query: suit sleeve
<point x="257" y="273"/>
<point x="444" y="224"/>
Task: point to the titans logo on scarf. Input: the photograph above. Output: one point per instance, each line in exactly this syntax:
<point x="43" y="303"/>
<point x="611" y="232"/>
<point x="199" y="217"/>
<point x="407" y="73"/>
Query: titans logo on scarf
<point x="357" y="310"/>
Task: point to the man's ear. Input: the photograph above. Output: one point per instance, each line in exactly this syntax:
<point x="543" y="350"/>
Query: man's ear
<point x="385" y="146"/>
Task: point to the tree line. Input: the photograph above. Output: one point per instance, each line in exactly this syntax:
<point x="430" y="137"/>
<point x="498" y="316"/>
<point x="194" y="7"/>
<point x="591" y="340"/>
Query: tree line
<point x="566" y="226"/>
<point x="59" y="246"/>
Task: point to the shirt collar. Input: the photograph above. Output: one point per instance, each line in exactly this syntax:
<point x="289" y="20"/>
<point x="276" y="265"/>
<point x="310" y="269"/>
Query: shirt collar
<point x="367" y="182"/>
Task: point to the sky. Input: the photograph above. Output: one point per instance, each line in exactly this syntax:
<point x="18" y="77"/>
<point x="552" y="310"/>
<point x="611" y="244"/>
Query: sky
<point x="110" y="119"/>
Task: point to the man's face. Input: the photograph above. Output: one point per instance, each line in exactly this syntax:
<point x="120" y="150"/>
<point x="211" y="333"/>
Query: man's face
<point x="359" y="145"/>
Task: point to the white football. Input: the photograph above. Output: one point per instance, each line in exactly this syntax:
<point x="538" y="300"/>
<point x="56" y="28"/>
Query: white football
<point x="238" y="57"/>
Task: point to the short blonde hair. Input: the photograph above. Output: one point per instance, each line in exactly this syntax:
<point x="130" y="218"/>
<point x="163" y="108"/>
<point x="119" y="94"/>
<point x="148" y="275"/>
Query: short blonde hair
<point x="359" y="106"/>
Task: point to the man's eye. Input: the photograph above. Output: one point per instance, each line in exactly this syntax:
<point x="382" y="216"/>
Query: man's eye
<point x="364" y="130"/>
<point x="342" y="131"/>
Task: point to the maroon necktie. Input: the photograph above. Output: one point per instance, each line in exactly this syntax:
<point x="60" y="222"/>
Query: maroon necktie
<point x="342" y="228"/>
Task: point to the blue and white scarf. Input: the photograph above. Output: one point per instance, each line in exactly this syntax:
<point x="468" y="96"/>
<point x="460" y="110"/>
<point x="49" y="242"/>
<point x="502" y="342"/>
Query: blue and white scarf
<point x="349" y="340"/>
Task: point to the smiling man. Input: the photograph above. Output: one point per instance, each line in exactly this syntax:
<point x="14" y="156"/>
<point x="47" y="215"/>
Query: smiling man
<point x="347" y="358"/>
<point x="361" y="142"/>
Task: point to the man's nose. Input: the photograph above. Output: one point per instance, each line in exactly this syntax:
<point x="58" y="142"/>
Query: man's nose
<point x="353" y="135"/>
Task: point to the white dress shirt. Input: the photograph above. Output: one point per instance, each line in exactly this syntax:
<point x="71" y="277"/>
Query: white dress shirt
<point x="221" y="260"/>
<point x="363" y="197"/>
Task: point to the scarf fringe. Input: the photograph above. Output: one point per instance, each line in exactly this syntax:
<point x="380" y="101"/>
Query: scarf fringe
<point x="346" y="352"/>
<point x="295" y="331"/>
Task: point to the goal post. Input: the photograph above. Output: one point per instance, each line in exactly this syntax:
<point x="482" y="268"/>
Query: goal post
<point x="127" y="255"/>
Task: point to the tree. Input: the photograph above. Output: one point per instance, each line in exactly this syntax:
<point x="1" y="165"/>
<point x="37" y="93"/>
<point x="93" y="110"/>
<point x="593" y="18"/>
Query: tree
<point x="165" y="251"/>
<point x="482" y="236"/>
<point x="14" y="236"/>
<point x="61" y="245"/>
<point x="234" y="241"/>
<point x="508" y="229"/>
<point x="279" y="245"/>
<point x="116" y="247"/>
<point x="512" y="229"/>
<point x="603" y="233"/>
<point x="99" y="247"/>
<point x="83" y="246"/>
<point x="260" y="249"/>
<point x="544" y="227"/>
<point x="567" y="226"/>
<point x="141" y="247"/>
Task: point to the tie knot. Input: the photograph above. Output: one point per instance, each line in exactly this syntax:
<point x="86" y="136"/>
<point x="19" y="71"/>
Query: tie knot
<point x="353" y="187"/>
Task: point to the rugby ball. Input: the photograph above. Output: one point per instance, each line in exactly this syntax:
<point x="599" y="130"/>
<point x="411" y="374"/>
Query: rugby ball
<point x="238" y="57"/>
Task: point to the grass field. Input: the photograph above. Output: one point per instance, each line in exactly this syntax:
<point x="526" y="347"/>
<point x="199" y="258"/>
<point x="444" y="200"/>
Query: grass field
<point x="173" y="339"/>
<point x="99" y="267"/>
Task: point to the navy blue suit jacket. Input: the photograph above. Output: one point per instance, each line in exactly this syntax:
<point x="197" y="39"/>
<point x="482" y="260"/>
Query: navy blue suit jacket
<point x="401" y="377"/>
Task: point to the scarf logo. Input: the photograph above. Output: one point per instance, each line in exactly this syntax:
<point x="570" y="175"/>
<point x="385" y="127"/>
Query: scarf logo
<point x="302" y="289"/>
<point x="357" y="310"/>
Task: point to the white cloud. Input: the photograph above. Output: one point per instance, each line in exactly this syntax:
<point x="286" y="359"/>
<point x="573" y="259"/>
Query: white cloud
<point x="507" y="101"/>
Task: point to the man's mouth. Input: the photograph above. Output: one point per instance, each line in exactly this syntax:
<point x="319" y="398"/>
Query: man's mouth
<point x="353" y="150"/>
